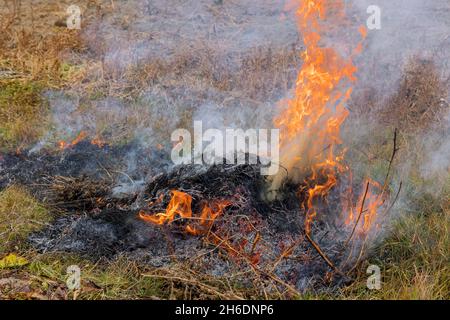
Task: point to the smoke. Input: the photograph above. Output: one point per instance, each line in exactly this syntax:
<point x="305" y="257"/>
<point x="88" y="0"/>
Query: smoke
<point x="408" y="28"/>
<point x="155" y="66"/>
<point x="436" y="165"/>
<point x="439" y="160"/>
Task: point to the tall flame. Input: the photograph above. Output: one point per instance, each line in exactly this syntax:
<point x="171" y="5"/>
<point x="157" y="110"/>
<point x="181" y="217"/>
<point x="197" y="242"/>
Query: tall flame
<point x="310" y="124"/>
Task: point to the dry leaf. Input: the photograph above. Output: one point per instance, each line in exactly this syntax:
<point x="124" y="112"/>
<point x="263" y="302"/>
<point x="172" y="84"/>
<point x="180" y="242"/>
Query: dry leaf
<point x="12" y="261"/>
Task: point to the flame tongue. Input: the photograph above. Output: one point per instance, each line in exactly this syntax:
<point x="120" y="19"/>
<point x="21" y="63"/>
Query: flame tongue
<point x="181" y="205"/>
<point x="310" y="124"/>
<point x="81" y="137"/>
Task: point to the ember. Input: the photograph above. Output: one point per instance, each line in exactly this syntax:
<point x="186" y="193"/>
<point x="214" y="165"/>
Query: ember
<point x="81" y="136"/>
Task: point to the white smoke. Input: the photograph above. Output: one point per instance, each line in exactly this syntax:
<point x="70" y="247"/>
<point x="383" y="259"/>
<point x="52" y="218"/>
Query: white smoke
<point x="408" y="28"/>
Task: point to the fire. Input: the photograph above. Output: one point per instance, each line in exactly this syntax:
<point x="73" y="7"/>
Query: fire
<point x="98" y="142"/>
<point x="81" y="137"/>
<point x="181" y="205"/>
<point x="310" y="125"/>
<point x="363" y="214"/>
<point x="311" y="121"/>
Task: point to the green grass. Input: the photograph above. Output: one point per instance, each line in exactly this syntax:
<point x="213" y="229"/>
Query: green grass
<point x="414" y="259"/>
<point x="117" y="279"/>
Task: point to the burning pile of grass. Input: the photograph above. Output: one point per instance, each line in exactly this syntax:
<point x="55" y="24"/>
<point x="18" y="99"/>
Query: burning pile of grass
<point x="216" y="218"/>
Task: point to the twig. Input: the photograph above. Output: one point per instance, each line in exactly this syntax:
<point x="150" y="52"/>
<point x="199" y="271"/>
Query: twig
<point x="395" y="199"/>
<point x="107" y="172"/>
<point x="359" y="257"/>
<point x="322" y="254"/>
<point x="359" y="216"/>
<point x="126" y="175"/>
<point x="394" y="151"/>
<point x="365" y="240"/>
<point x="195" y="283"/>
<point x="286" y="253"/>
<point x="257" y="270"/>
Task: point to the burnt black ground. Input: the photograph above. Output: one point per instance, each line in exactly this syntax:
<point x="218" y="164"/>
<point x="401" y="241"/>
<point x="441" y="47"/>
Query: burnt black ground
<point x="83" y="159"/>
<point x="112" y="226"/>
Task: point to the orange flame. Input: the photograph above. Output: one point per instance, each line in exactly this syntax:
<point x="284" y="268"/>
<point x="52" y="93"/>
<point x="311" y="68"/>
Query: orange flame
<point x="98" y="142"/>
<point x="310" y="125"/>
<point x="366" y="208"/>
<point x="181" y="205"/>
<point x="64" y="145"/>
<point x="81" y="136"/>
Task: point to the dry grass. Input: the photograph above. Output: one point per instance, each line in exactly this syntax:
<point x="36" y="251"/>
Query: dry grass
<point x="31" y="61"/>
<point x="420" y="99"/>
<point x="200" y="72"/>
<point x="413" y="260"/>
<point x="163" y="94"/>
<point x="20" y="214"/>
<point x="45" y="278"/>
<point x="122" y="278"/>
<point x="34" y="52"/>
<point x="30" y="56"/>
<point x="22" y="114"/>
